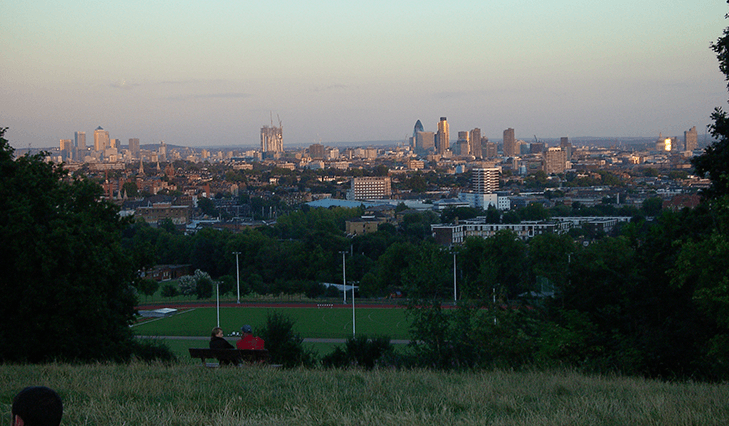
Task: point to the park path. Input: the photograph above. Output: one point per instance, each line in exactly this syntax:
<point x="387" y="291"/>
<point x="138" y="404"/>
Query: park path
<point x="153" y="306"/>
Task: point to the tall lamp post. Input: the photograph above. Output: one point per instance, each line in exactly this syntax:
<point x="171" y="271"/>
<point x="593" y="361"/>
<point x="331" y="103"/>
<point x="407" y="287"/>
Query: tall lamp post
<point x="237" y="272"/>
<point x="217" y="299"/>
<point x="344" y="277"/>
<point x="455" y="294"/>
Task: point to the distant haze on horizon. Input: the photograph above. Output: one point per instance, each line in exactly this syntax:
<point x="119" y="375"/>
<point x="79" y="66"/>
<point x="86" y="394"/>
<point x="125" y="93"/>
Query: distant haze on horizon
<point x="212" y="73"/>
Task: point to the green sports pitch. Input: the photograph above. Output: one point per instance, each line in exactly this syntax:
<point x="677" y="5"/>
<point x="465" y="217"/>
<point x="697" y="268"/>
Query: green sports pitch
<point x="310" y="322"/>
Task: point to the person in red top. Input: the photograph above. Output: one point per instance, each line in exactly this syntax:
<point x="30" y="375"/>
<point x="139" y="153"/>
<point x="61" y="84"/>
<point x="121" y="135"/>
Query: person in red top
<point x="248" y="340"/>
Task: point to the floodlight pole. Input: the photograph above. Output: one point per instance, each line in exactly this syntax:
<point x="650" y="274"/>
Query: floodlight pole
<point x="217" y="300"/>
<point x="237" y="271"/>
<point x="353" y="320"/>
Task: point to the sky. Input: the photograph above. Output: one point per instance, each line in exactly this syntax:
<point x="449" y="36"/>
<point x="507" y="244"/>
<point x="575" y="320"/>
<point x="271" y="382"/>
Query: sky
<point x="211" y="73"/>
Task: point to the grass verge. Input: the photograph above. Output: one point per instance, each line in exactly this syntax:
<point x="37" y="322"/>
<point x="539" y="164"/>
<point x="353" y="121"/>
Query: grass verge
<point x="181" y="394"/>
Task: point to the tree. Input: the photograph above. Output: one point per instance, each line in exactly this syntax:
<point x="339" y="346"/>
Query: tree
<point x="65" y="274"/>
<point x="714" y="162"/>
<point x="147" y="286"/>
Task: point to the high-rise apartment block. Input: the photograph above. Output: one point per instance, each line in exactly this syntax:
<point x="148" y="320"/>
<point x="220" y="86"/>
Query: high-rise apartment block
<point x="555" y="160"/>
<point x="101" y="139"/>
<point x="442" y="137"/>
<point x="317" y="151"/>
<point x="691" y="139"/>
<point x="510" y="143"/>
<point x="485" y="181"/>
<point x="491" y="149"/>
<point x="272" y="139"/>
<point x="371" y="188"/>
<point x="475" y="138"/>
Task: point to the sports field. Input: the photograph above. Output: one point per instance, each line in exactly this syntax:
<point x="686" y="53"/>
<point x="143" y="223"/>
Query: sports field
<point x="310" y="322"/>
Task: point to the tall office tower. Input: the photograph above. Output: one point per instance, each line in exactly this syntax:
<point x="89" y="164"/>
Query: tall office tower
<point x="79" y="145"/>
<point x="462" y="144"/>
<point x="485" y="181"/>
<point x="442" y="138"/>
<point x="418" y="128"/>
<point x="317" y="151"/>
<point x="101" y="139"/>
<point x="114" y="143"/>
<point x="424" y="142"/>
<point x="475" y="139"/>
<point x="564" y="143"/>
<point x="272" y="138"/>
<point x="509" y="143"/>
<point x="555" y="160"/>
<point x="134" y="147"/>
<point x="691" y="139"/>
<point x="79" y="141"/>
<point x="414" y="139"/>
<point x="66" y="149"/>
<point x="490" y="147"/>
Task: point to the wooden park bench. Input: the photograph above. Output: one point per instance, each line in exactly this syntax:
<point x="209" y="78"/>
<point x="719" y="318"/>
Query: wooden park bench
<point x="236" y="356"/>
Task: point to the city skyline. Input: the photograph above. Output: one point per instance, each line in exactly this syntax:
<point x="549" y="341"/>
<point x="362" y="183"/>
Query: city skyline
<point x="212" y="74"/>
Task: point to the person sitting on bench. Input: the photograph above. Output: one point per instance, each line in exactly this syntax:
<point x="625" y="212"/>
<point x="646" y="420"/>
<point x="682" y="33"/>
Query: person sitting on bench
<point x="248" y="340"/>
<point x="218" y="342"/>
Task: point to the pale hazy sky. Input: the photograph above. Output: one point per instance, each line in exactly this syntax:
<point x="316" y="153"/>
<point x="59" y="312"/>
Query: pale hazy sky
<point x="211" y="72"/>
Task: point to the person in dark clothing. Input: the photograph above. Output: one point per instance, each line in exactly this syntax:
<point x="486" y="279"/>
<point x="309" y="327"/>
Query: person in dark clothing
<point x="217" y="341"/>
<point x="37" y="406"/>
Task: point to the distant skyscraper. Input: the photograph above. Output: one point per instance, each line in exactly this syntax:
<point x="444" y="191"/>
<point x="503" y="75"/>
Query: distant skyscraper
<point x="424" y="142"/>
<point x="101" y="139"/>
<point x="418" y="128"/>
<point x="509" y="143"/>
<point x="691" y="139"/>
<point x="66" y="149"/>
<point x="462" y="145"/>
<point x="79" y="145"/>
<point x="79" y="140"/>
<point x="414" y="139"/>
<point x="442" y="138"/>
<point x="134" y="147"/>
<point x="272" y="138"/>
<point x="475" y="145"/>
<point x="566" y="146"/>
<point x="492" y="150"/>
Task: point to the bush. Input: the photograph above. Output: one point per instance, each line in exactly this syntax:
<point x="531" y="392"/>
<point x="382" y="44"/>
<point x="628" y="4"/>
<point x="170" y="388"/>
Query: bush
<point x="285" y="346"/>
<point x="361" y="351"/>
<point x="152" y="350"/>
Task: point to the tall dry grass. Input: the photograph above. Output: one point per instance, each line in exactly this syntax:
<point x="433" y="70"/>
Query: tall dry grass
<point x="141" y="394"/>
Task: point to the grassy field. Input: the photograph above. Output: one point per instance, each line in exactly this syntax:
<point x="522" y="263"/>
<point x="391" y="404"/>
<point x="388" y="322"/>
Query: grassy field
<point x="141" y="394"/>
<point x="310" y="322"/>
